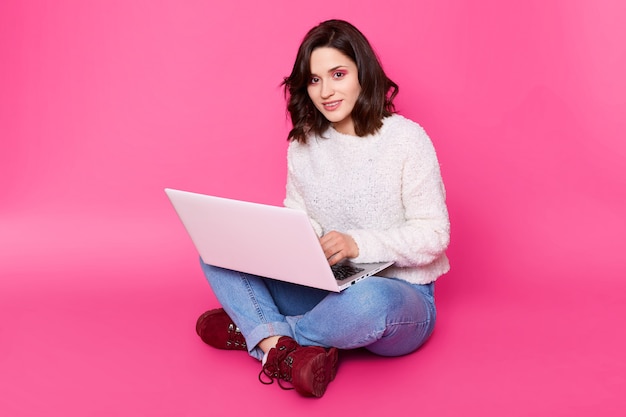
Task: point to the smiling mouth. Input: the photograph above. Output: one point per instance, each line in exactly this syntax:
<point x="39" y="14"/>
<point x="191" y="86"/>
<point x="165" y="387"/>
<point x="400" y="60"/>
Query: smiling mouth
<point x="331" y="105"/>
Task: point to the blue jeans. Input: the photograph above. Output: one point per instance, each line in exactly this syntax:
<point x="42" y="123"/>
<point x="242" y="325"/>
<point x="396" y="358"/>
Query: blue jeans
<point x="387" y="316"/>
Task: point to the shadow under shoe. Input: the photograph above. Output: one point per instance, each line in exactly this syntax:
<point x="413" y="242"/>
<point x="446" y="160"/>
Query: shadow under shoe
<point x="309" y="369"/>
<point x="216" y="329"/>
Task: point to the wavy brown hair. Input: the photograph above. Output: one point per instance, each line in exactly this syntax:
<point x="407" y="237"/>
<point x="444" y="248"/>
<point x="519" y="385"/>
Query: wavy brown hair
<point x="375" y="101"/>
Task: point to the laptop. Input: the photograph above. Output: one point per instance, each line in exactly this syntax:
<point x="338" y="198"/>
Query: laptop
<point x="269" y="241"/>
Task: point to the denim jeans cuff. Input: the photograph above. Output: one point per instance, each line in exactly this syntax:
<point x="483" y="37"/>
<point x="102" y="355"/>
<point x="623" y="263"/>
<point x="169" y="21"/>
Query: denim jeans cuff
<point x="264" y="331"/>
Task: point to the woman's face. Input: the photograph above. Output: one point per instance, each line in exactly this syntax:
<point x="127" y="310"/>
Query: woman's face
<point x="334" y="87"/>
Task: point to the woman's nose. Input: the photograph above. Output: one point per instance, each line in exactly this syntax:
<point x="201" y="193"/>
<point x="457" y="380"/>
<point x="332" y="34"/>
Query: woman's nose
<point x="327" y="90"/>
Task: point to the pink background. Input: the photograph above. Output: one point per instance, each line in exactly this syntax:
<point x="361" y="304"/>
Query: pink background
<point x="105" y="103"/>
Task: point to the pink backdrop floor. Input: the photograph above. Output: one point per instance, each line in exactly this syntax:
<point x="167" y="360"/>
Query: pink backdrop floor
<point x="112" y="333"/>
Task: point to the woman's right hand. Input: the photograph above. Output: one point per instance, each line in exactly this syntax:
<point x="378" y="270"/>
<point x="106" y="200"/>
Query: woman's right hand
<point x="338" y="246"/>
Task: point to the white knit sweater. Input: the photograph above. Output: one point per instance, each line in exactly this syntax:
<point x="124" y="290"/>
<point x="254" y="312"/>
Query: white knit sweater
<point x="385" y="190"/>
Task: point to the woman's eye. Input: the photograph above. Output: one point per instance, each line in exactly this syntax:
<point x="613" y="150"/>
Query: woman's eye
<point x="339" y="74"/>
<point x="314" y="80"/>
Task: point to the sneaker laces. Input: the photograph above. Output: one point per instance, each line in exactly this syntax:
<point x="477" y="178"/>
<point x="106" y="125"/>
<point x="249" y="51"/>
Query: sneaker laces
<point x="235" y="337"/>
<point x="278" y="366"/>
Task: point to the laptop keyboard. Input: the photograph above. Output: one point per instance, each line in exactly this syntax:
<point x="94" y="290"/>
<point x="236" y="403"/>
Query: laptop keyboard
<point x="343" y="271"/>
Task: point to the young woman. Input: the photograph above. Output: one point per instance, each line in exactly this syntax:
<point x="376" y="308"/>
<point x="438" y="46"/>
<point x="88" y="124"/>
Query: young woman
<point x="370" y="183"/>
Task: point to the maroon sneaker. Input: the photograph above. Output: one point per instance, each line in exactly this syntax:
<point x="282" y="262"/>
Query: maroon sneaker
<point x="216" y="329"/>
<point x="309" y="369"/>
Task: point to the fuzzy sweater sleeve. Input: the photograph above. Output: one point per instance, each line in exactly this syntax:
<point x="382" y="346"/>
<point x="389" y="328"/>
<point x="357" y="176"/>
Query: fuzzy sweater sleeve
<point x="294" y="198"/>
<point x="423" y="235"/>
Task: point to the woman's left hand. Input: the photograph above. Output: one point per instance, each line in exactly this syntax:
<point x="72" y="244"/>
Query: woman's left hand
<point x="338" y="246"/>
